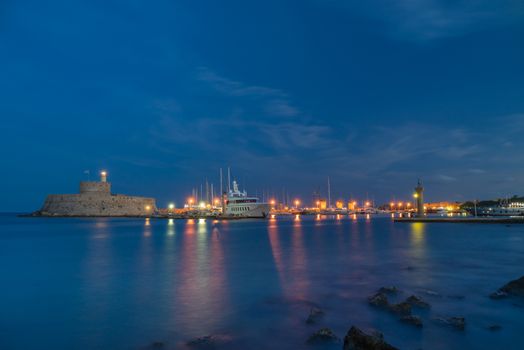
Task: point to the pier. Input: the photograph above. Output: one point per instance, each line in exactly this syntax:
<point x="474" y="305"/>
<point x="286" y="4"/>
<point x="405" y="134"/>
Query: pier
<point x="464" y="220"/>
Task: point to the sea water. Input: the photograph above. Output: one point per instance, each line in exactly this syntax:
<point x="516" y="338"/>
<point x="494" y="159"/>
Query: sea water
<point x="71" y="283"/>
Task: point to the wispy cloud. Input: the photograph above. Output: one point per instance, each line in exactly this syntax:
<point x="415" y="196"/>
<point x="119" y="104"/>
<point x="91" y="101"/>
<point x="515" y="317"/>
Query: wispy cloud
<point x="274" y="102"/>
<point x="423" y="20"/>
<point x="235" y="88"/>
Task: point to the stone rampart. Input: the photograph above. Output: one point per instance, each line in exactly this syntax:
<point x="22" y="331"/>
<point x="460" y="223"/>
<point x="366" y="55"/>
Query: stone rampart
<point x="92" y="203"/>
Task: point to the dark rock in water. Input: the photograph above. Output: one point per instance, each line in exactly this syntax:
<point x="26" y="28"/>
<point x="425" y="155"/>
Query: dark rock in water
<point x="515" y="287"/>
<point x="494" y="328"/>
<point x="458" y="323"/>
<point x="498" y="295"/>
<point x="403" y="308"/>
<point x="388" y="290"/>
<point x="418" y="302"/>
<point x="315" y="314"/>
<point x="379" y="299"/>
<point x="208" y="341"/>
<point x="324" y="335"/>
<point x="356" y="339"/>
<point x="413" y="320"/>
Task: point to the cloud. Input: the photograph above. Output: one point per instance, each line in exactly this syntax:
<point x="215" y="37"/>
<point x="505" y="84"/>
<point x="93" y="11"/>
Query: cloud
<point x="235" y="88"/>
<point x="273" y="102"/>
<point x="281" y="108"/>
<point x="424" y="20"/>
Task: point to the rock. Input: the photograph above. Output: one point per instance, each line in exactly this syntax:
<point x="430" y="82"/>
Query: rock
<point x="379" y="299"/>
<point x="315" y="314"/>
<point x="458" y="323"/>
<point x="494" y="328"/>
<point x="356" y="339"/>
<point x="413" y="320"/>
<point x="388" y="290"/>
<point x="403" y="308"/>
<point x="208" y="341"/>
<point x="418" y="302"/>
<point x="515" y="288"/>
<point x="498" y="295"/>
<point x="323" y="335"/>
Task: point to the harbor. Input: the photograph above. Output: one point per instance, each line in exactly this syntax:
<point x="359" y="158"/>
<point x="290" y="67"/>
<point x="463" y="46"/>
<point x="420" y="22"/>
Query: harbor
<point x="95" y="199"/>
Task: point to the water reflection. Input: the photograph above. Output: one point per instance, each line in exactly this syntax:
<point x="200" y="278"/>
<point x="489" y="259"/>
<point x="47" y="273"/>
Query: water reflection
<point x="170" y="227"/>
<point x="202" y="289"/>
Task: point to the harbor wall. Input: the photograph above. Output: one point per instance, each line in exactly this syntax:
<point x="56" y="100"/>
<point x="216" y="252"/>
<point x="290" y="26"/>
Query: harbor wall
<point x="97" y="203"/>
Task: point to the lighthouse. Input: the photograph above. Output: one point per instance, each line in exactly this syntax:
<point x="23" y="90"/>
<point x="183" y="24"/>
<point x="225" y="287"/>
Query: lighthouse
<point x="419" y="196"/>
<point x="103" y="176"/>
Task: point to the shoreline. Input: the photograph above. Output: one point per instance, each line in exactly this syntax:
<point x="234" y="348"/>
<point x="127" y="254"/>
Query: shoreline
<point x="466" y="220"/>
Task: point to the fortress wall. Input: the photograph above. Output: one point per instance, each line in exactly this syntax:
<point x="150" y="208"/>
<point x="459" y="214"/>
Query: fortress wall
<point x="91" y="186"/>
<point x="97" y="204"/>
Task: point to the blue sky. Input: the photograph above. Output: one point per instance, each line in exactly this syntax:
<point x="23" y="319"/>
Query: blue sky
<point x="373" y="94"/>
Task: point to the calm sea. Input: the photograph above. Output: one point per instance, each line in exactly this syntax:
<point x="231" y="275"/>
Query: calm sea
<point x="127" y="283"/>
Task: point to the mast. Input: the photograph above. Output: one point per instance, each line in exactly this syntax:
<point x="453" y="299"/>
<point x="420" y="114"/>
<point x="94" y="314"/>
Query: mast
<point x="220" y="182"/>
<point x="329" y="193"/>
<point x="228" y="179"/>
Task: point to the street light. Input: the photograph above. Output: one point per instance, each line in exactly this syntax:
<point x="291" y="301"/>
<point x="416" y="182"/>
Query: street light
<point x="297" y="202"/>
<point x="171" y="206"/>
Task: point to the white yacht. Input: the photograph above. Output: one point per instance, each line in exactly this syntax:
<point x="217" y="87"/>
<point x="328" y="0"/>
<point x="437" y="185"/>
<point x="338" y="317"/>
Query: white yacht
<point x="239" y="204"/>
<point x="511" y="209"/>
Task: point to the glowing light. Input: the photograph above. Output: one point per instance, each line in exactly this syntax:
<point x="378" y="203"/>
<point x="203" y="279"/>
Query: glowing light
<point x="297" y="217"/>
<point x="297" y="202"/>
<point x="391" y="204"/>
<point x="367" y="204"/>
<point x="190" y="200"/>
<point x="408" y="204"/>
<point x="217" y="201"/>
<point x="148" y="207"/>
<point x="171" y="206"/>
<point x="272" y="202"/>
<point x="202" y="205"/>
<point x="400" y="204"/>
<point x="415" y="195"/>
<point x="103" y="173"/>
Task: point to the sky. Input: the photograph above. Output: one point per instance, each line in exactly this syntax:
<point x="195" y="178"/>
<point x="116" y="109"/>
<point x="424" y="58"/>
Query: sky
<point x="161" y="94"/>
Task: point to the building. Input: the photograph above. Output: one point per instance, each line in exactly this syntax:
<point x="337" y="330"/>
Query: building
<point x="95" y="199"/>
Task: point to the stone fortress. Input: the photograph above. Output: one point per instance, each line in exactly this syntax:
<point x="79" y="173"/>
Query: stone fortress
<point x="95" y="199"/>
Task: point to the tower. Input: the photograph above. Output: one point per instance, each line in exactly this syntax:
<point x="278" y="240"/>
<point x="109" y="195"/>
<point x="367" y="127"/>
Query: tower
<point x="103" y="176"/>
<point x="419" y="196"/>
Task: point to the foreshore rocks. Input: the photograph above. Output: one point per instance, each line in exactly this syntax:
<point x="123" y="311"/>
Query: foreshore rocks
<point x="315" y="314"/>
<point x="388" y="290"/>
<point x="412" y="320"/>
<point x="417" y="302"/>
<point x="402" y="308"/>
<point x="356" y="339"/>
<point x="458" y="323"/>
<point x="209" y="341"/>
<point x="512" y="288"/>
<point x="379" y="299"/>
<point x="323" y="335"/>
